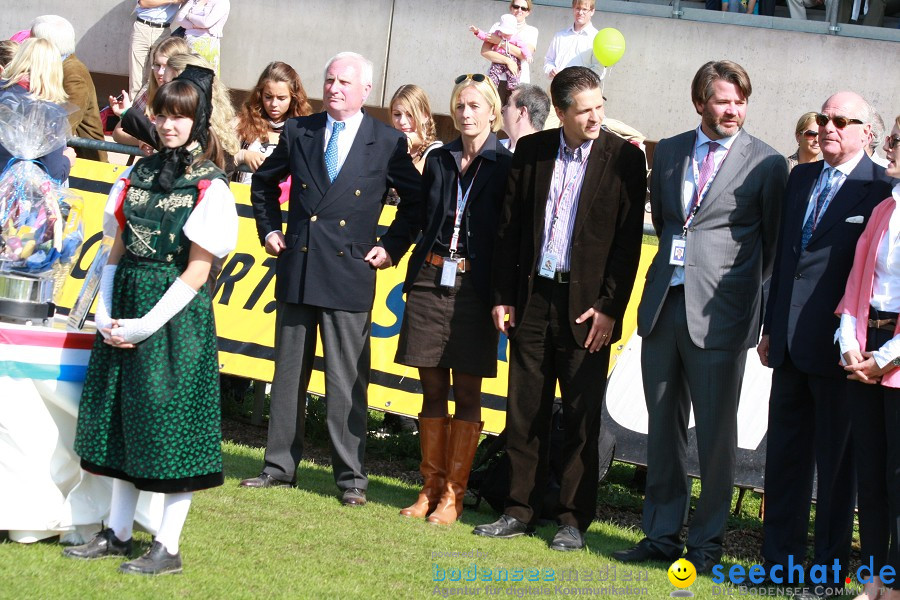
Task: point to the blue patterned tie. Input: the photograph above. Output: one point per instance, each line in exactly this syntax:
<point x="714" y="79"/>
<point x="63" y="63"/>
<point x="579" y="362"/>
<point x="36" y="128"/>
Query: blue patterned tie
<point x="810" y="224"/>
<point x="331" y="151"/>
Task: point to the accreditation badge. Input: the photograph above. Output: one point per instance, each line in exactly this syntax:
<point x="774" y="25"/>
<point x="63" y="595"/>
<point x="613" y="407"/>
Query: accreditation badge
<point x="676" y="256"/>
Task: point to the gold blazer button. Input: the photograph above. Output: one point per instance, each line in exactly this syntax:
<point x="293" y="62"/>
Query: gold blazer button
<point x="357" y="192"/>
<point x="314" y="218"/>
<point x="342" y="223"/>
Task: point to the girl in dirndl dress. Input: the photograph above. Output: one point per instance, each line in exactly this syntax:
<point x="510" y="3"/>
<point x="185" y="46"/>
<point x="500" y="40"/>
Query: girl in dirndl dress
<point x="150" y="415"/>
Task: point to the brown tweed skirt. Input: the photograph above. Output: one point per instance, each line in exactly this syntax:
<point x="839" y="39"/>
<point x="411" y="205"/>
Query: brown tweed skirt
<point x="447" y="328"/>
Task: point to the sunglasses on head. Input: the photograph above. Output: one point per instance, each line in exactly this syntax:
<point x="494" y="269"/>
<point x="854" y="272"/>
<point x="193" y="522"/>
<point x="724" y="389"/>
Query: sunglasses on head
<point x="839" y="122"/>
<point x="513" y="7"/>
<point x="476" y="77"/>
<point x="810" y="134"/>
<point x="893" y="141"/>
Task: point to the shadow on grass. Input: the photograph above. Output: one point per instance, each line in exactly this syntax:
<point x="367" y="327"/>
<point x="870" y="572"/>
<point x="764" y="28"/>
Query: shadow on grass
<point x="241" y="463"/>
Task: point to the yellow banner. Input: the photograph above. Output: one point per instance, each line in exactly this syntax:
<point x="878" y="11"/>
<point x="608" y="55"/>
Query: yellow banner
<point x="245" y="308"/>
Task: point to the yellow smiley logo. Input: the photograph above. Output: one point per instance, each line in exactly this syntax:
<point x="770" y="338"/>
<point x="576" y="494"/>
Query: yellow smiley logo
<point x="682" y="573"/>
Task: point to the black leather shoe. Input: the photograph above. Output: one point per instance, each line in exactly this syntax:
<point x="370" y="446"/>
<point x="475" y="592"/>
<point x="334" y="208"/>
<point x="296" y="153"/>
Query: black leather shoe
<point x="503" y="528"/>
<point x="156" y="561"/>
<point x="642" y="552"/>
<point x="702" y="563"/>
<point x="567" y="538"/>
<point x="354" y="497"/>
<point x="264" y="480"/>
<point x="103" y="545"/>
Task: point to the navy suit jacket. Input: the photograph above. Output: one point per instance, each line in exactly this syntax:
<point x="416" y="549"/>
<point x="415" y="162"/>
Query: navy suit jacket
<point x="808" y="284"/>
<point x="332" y="226"/>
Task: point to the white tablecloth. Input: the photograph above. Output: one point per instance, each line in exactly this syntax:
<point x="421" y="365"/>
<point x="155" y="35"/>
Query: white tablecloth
<point x="43" y="491"/>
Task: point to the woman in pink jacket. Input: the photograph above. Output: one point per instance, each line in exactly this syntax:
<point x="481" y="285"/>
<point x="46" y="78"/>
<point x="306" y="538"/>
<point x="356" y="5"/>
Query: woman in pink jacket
<point x="869" y="337"/>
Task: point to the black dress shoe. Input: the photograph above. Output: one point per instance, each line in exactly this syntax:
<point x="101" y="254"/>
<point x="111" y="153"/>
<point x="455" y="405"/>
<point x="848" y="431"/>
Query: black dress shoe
<point x="103" y="545"/>
<point x="264" y="480"/>
<point x="642" y="552"/>
<point x="156" y="561"/>
<point x="503" y="528"/>
<point x="354" y="497"/>
<point x="702" y="563"/>
<point x="567" y="538"/>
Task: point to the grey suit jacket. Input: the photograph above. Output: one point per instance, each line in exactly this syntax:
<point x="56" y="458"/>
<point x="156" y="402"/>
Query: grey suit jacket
<point x="730" y="243"/>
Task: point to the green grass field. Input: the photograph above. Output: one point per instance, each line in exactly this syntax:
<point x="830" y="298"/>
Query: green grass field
<point x="301" y="543"/>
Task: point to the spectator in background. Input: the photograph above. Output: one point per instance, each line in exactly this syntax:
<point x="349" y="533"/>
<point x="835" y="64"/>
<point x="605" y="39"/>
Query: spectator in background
<point x="36" y="70"/>
<point x="159" y="58"/>
<point x="505" y="66"/>
<point x="798" y="7"/>
<point x="524" y="113"/>
<point x="7" y="51"/>
<point x="574" y="46"/>
<point x="77" y="83"/>
<point x="876" y="138"/>
<point x="277" y="97"/>
<point x="203" y="22"/>
<point x="807" y="135"/>
<point x="152" y="23"/>
<point x="411" y="114"/>
<point x="527" y="34"/>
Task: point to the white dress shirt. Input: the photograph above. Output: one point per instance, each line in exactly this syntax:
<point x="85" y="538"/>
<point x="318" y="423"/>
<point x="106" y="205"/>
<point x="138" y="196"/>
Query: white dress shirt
<point x="885" y="290"/>
<point x="570" y="48"/>
<point x="345" y="138"/>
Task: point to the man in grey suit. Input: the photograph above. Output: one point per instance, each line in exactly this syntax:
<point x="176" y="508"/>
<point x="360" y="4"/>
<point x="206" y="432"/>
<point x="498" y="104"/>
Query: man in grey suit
<point x="715" y="195"/>
<point x="342" y="162"/>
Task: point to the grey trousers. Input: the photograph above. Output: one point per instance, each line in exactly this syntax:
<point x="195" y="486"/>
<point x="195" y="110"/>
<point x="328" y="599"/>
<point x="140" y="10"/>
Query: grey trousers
<point x="345" y="341"/>
<point x="677" y="375"/>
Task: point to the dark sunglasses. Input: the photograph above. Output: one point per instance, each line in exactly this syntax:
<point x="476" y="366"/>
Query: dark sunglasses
<point x="513" y="7"/>
<point x="810" y="134"/>
<point x="839" y="122"/>
<point x="892" y="141"/>
<point x="476" y="77"/>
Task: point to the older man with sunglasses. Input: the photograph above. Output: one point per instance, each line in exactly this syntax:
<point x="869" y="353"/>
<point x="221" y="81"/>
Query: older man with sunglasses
<point x="827" y="205"/>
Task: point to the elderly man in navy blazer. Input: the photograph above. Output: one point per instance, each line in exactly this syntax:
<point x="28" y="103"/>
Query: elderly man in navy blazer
<point x="342" y="163"/>
<point x="827" y="205"/>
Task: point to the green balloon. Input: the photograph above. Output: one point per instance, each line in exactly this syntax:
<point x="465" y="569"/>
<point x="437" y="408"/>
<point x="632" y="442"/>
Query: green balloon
<point x="609" y="46"/>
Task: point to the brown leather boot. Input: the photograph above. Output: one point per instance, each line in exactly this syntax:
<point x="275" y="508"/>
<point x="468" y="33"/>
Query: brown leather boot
<point x="433" y="435"/>
<point x="461" y="452"/>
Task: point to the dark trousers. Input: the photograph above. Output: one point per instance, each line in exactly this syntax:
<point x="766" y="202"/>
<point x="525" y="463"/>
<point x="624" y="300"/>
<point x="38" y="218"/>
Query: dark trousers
<point x="678" y="375"/>
<point x="345" y="341"/>
<point x="809" y="432"/>
<point x="543" y="351"/>
<point x="875" y="420"/>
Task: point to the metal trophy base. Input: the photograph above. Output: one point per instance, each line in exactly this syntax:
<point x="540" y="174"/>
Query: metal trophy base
<point x="26" y="298"/>
<point x="26" y="311"/>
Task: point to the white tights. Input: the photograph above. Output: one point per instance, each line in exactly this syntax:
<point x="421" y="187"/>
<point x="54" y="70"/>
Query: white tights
<point x="124" y="504"/>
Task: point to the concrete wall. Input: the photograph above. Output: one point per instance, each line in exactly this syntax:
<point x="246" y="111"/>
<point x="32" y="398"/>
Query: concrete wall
<point x="427" y="42"/>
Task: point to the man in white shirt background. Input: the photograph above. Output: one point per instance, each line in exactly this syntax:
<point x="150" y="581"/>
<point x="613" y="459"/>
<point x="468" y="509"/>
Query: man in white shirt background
<point x="574" y="46"/>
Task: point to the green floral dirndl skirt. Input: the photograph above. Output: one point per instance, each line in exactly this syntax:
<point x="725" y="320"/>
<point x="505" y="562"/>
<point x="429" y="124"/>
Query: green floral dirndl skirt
<point x="151" y="414"/>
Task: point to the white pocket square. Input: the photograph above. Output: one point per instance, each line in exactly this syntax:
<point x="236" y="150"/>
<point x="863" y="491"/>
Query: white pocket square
<point x="856" y="219"/>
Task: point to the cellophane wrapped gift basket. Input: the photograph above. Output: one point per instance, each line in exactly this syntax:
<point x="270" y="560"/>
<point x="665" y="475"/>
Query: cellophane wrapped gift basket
<point x="41" y="228"/>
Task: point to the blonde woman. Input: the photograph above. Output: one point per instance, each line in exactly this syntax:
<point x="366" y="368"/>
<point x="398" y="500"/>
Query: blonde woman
<point x="807" y="135"/>
<point x="36" y="71"/>
<point x="447" y="328"/>
<point x="411" y="114"/>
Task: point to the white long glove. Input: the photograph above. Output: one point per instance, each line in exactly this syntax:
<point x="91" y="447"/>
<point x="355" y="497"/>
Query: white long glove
<point x="104" y="299"/>
<point x="173" y="301"/>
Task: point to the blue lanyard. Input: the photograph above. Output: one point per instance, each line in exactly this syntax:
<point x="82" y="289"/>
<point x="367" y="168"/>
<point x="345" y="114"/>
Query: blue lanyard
<point x="462" y="199"/>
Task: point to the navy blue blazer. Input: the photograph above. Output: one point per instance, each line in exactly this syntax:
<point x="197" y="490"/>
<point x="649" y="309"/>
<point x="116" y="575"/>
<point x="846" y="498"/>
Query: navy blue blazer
<point x="332" y="226"/>
<point x="807" y="285"/>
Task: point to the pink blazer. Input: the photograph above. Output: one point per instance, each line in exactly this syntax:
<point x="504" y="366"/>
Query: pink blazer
<point x="858" y="292"/>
